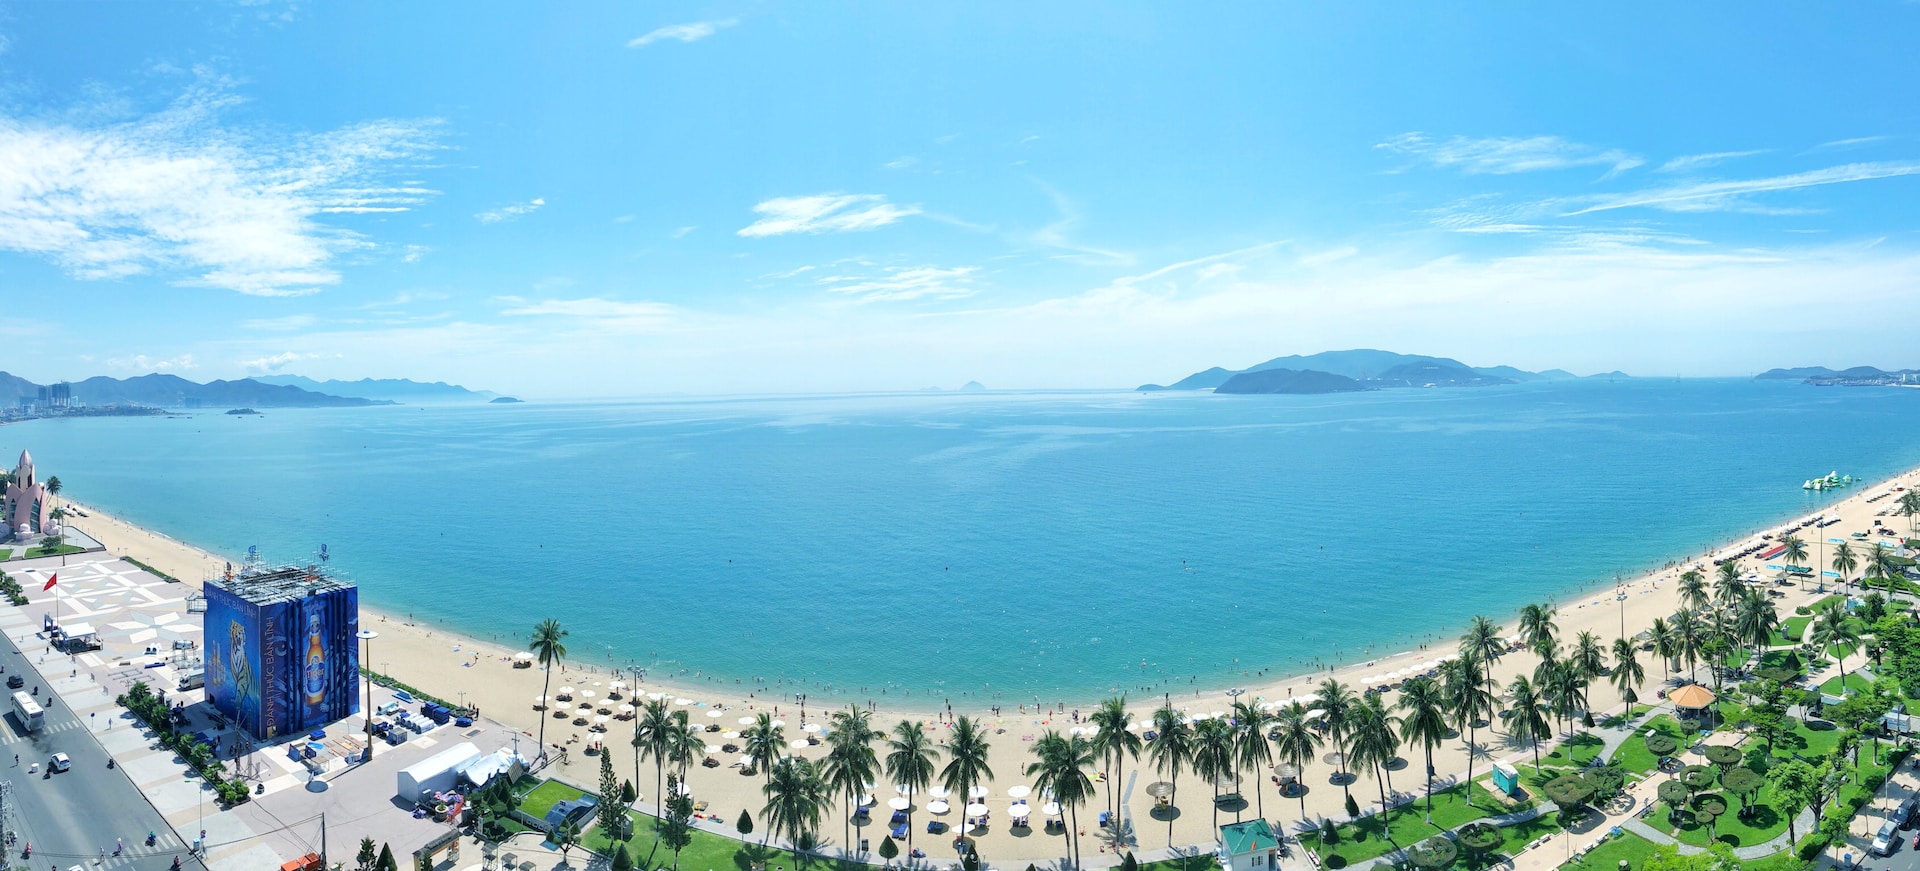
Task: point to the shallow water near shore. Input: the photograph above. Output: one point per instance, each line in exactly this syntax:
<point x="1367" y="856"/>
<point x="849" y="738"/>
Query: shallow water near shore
<point x="992" y="548"/>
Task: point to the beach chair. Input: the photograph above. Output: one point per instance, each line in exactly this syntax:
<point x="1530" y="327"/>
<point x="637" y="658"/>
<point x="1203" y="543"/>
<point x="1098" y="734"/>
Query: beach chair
<point x="900" y="831"/>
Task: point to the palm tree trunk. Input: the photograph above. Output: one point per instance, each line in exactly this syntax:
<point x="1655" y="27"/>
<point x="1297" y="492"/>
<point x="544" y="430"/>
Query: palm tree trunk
<point x="1430" y="780"/>
<point x="1389" y="774"/>
<point x="1386" y="820"/>
<point x="1470" y="736"/>
<point x="545" y="688"/>
<point x="1174" y="801"/>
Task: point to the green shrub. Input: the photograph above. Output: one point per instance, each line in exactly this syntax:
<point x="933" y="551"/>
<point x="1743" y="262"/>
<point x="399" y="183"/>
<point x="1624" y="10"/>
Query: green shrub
<point x="1812" y="844"/>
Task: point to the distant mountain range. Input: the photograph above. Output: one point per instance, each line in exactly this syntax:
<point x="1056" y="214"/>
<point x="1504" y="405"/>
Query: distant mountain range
<point x="172" y="391"/>
<point x="396" y="389"/>
<point x="1858" y="376"/>
<point x="1366" y="368"/>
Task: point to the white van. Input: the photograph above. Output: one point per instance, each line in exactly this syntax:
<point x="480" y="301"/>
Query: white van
<point x="1889" y="836"/>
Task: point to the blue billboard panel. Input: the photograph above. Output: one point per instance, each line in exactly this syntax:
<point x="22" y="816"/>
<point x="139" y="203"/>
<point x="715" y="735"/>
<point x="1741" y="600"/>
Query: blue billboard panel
<point x="284" y="666"/>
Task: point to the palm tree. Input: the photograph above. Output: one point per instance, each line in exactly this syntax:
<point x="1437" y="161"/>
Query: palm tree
<point x="1296" y="742"/>
<point x="1424" y="723"/>
<point x="548" y="647"/>
<point x="1688" y="635"/>
<point x="1376" y="744"/>
<point x="1588" y="658"/>
<point x="1880" y="563"/>
<point x="1115" y="741"/>
<point x="1170" y="749"/>
<point x="1627" y="675"/>
<point x="1336" y="703"/>
<point x="1727" y="587"/>
<point x="1482" y="643"/>
<point x="1693" y="589"/>
<point x="910" y="763"/>
<point x="1060" y="769"/>
<point x="684" y="744"/>
<point x="966" y="760"/>
<point x="1910" y="507"/>
<point x="850" y="763"/>
<point x="1463" y="683"/>
<point x="1844" y="562"/>
<point x="1567" y="691"/>
<point x="796" y="796"/>
<point x="764" y="742"/>
<point x="1831" y="629"/>
<point x="651" y="737"/>
<point x="1665" y="644"/>
<point x="1213" y="756"/>
<point x="1549" y="662"/>
<point x="1537" y="629"/>
<point x="1795" y="553"/>
<point x="1250" y="749"/>
<point x="1527" y="716"/>
<point x="1756" y="620"/>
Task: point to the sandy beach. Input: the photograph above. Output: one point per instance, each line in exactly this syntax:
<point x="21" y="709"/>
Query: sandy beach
<point x="481" y="674"/>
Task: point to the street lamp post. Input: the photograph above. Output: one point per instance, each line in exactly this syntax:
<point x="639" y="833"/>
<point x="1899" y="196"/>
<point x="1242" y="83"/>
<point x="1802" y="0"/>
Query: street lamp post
<point x="366" y="637"/>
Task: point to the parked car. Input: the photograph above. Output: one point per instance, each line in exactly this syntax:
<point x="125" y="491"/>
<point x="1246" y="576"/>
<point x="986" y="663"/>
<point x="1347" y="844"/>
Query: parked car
<point x="1888" y="837"/>
<point x="59" y="762"/>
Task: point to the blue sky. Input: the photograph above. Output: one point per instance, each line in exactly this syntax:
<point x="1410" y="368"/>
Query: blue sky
<point x="619" y="199"/>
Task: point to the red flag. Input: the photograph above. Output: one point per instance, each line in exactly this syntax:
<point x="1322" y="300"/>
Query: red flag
<point x="54" y="579"/>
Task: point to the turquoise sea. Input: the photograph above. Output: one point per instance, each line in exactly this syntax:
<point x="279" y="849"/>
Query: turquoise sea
<point x="991" y="547"/>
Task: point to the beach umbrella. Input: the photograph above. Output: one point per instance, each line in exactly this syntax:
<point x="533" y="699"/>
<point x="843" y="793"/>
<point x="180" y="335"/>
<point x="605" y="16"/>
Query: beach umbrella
<point x="587" y="694"/>
<point x="745" y="721"/>
<point x="626" y="709"/>
<point x="1335" y="759"/>
<point x="683" y="702"/>
<point x="938" y="806"/>
<point x="732" y="734"/>
<point x="810" y="727"/>
<point x="656" y="696"/>
<point x="902" y="788"/>
<point x="1286" y="771"/>
<point x="977" y="792"/>
<point x="898" y="803"/>
<point x="798" y="744"/>
<point x="1315" y="713"/>
<point x="1019" y="811"/>
<point x="1156" y="789"/>
<point x="1019" y="792"/>
<point x="866" y="799"/>
<point x="539" y="700"/>
<point x="937" y="792"/>
<point x="715" y="712"/>
<point x="1226" y="781"/>
<point x="566" y="691"/>
<point x="1136" y="727"/>
<point x="713" y="749"/>
<point x="779" y="722"/>
<point x="976" y="810"/>
<point x="1051" y="809"/>
<point x="617" y="685"/>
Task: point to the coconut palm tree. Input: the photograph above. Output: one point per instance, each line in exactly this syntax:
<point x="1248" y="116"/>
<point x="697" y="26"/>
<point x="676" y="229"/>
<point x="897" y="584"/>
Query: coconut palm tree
<point x="1482" y="641"/>
<point x="1336" y="702"/>
<point x="796" y="796"/>
<point x="1527" y="716"/>
<point x="1756" y="620"/>
<point x="1795" y="553"/>
<point x="1296" y="742"/>
<point x="1463" y="684"/>
<point x="1549" y="661"/>
<point x="1567" y="692"/>
<point x="549" y="647"/>
<point x="1688" y="635"/>
<point x="1588" y="658"/>
<point x="1251" y="750"/>
<point x="1831" y="629"/>
<point x="1213" y="756"/>
<point x="909" y="763"/>
<point x="1693" y="589"/>
<point x="966" y="760"/>
<point x="764" y="742"/>
<point x="1424" y="721"/>
<point x="1910" y="507"/>
<point x="1627" y="675"/>
<point x="850" y="763"/>
<point x="1726" y="584"/>
<point x="651" y="738"/>
<point x="1880" y="563"/>
<point x="1114" y="741"/>
<point x="1170" y="749"/>
<point x="685" y="744"/>
<point x="1060" y="769"/>
<point x="1666" y="645"/>
<point x="1537" y="629"/>
<point x="1845" y="562"/>
<point x="1376" y="744"/>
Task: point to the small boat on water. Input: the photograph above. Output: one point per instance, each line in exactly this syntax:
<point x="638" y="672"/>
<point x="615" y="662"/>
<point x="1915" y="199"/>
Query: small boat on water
<point x="1833" y="480"/>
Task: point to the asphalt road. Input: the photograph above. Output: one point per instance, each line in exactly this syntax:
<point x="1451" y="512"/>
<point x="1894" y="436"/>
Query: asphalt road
<point x="70" y="817"/>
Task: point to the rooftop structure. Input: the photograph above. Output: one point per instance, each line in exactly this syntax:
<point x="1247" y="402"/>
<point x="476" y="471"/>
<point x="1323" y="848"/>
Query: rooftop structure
<point x="281" y="654"/>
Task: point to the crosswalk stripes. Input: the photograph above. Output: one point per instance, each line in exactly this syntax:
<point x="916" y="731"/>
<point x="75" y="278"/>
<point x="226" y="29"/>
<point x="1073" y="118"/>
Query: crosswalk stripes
<point x="8" y="736"/>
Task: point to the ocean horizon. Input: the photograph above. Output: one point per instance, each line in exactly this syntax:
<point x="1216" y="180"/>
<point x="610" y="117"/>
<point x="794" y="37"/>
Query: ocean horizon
<point x="999" y="547"/>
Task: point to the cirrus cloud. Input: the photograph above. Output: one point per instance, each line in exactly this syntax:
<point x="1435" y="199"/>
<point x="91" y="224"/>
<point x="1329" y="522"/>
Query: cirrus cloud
<point x="689" y="32"/>
<point x="824" y="213"/>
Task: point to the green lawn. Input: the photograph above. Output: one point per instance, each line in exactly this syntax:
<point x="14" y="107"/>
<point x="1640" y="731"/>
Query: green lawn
<point x="1517" y="836"/>
<point x="1576" y="751"/>
<point x="545" y="796"/>
<point x="1805" y="740"/>
<point x="1633" y="755"/>
<point x="720" y="853"/>
<point x="1371" y="836"/>
<point x="62" y="550"/>
<point x="1626" y="846"/>
<point x="1765" y="825"/>
<point x="1184" y="863"/>
<point x="1857" y="682"/>
<point x="1794" y="629"/>
<point x="6" y="553"/>
<point x="1823" y="602"/>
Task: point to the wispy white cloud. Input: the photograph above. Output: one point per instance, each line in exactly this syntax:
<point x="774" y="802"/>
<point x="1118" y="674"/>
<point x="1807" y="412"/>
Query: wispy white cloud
<point x="144" y="363"/>
<point x="825" y="213"/>
<point x="276" y="362"/>
<point x="510" y="212"/>
<point x="905" y="161"/>
<point x="1504" y="155"/>
<point x="651" y="314"/>
<point x="1691" y="162"/>
<point x="1844" y="144"/>
<point x="280" y="324"/>
<point x="414" y="253"/>
<point x="690" y="32"/>
<point x="179" y="193"/>
<point x="681" y="232"/>
<point x="1054" y="235"/>
<point x="902" y="283"/>
<point x="1731" y="195"/>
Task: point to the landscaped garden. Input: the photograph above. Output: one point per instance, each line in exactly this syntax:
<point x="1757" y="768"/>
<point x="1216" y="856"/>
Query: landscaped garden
<point x="1373" y="836"/>
<point x="542" y="799"/>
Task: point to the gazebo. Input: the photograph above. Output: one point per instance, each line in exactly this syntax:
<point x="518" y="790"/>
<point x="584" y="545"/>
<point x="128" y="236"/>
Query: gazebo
<point x="1692" y="700"/>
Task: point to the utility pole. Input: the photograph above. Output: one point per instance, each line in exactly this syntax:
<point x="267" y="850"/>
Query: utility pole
<point x="366" y="636"/>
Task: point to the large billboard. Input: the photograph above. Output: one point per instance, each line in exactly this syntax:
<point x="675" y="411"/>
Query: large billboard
<point x="284" y="667"/>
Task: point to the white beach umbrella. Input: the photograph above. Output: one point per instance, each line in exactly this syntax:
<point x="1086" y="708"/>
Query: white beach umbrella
<point x="1051" y="809"/>
<point x="683" y="702"/>
<point x="977" y="792"/>
<point x="976" y="809"/>
<point x="716" y="712"/>
<point x="799" y="744"/>
<point x="523" y="656"/>
<point x="810" y="727"/>
<point x="1019" y="811"/>
<point x="939" y="807"/>
<point x="866" y="799"/>
<point x="938" y="792"/>
<point x="1216" y="715"/>
<point x="654" y="697"/>
<point x="602" y="719"/>
<point x="617" y="685"/>
<point x="1136" y="727"/>
<point x="714" y="749"/>
<point x="587" y="694"/>
<point x="566" y="690"/>
<point x="539" y="700"/>
<point x="1315" y="713"/>
<point x="899" y="803"/>
<point x="730" y="734"/>
<point x="626" y="709"/>
<point x="779" y="722"/>
<point x="1021" y="791"/>
<point x="902" y="788"/>
<point x="745" y="721"/>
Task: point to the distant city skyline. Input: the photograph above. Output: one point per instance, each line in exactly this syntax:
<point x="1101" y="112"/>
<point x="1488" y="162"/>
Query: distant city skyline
<point x="602" y="200"/>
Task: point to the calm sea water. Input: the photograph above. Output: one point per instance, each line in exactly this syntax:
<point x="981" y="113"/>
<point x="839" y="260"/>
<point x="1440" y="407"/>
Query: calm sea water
<point x="989" y="547"/>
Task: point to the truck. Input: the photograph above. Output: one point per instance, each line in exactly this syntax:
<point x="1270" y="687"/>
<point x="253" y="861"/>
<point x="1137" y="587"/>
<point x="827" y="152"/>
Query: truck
<point x="28" y="711"/>
<point x="193" y="680"/>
